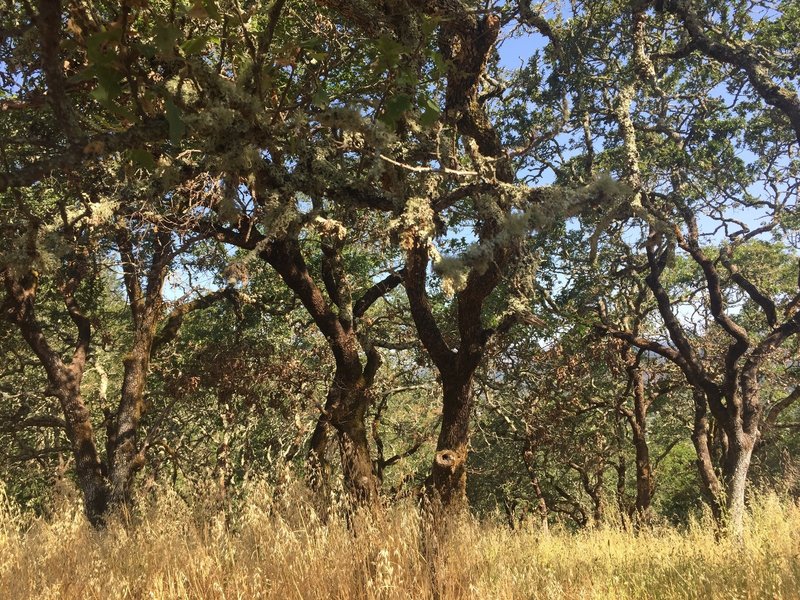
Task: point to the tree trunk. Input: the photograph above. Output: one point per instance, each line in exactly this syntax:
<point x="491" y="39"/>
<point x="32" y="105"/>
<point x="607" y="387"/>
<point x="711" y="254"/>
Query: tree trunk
<point x="742" y="433"/>
<point x="345" y="412"/>
<point x="726" y="495"/>
<point x="223" y="467"/>
<point x="125" y="456"/>
<point x="734" y="476"/>
<point x="319" y="469"/>
<point x="711" y="486"/>
<point x="637" y="419"/>
<point x="348" y="397"/>
<point x="64" y="383"/>
<point x="598" y="501"/>
<point x="541" y="504"/>
<point x="359" y="477"/>
<point x="623" y="505"/>
<point x="449" y="471"/>
<point x="644" y="476"/>
<point x="88" y="466"/>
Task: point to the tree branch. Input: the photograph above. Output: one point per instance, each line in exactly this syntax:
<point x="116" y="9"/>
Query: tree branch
<point x="740" y="55"/>
<point x="377" y="291"/>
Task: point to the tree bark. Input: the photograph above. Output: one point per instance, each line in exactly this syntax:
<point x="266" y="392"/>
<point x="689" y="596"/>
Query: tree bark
<point x="88" y="466"/>
<point x="637" y="420"/>
<point x="317" y="459"/>
<point x="336" y="317"/>
<point x="126" y="457"/>
<point x="449" y="471"/>
<point x="64" y="383"/>
<point x="541" y="503"/>
<point x="734" y="475"/>
<point x="345" y="412"/>
<point x="349" y="396"/>
<point x="710" y="484"/>
<point x="456" y="369"/>
<point x="359" y="477"/>
<point x="644" y="468"/>
<point x="223" y="467"/>
<point x="644" y="477"/>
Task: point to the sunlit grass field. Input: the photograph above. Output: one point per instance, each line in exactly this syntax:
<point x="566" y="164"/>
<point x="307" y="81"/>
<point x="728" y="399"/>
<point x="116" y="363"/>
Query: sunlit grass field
<point x="275" y="546"/>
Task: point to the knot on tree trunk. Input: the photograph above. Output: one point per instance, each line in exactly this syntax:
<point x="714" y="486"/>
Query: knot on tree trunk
<point x="447" y="459"/>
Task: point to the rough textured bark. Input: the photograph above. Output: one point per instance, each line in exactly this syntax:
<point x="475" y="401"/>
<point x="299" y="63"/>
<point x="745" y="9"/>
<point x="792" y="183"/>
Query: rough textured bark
<point x="711" y="487"/>
<point x="64" y="383"/>
<point x="348" y="397"/>
<point x="592" y="484"/>
<point x="734" y="472"/>
<point x="644" y="476"/>
<point x="318" y="464"/>
<point x="456" y="368"/>
<point x="88" y="466"/>
<point x="359" y="476"/>
<point x="541" y="504"/>
<point x="465" y="40"/>
<point x="449" y="471"/>
<point x="637" y="420"/>
<point x="103" y="483"/>
<point x="49" y="22"/>
<point x="223" y="467"/>
<point x="724" y="486"/>
<point x="127" y="456"/>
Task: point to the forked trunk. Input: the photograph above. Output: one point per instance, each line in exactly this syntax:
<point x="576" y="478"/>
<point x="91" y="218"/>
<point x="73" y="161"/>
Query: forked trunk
<point x="345" y="412"/>
<point x="64" y="383"/>
<point x="541" y="503"/>
<point x="726" y="495"/>
<point x="594" y="489"/>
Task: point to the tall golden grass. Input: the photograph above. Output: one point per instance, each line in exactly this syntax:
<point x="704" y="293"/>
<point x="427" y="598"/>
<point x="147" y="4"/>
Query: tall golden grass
<point x="277" y="547"/>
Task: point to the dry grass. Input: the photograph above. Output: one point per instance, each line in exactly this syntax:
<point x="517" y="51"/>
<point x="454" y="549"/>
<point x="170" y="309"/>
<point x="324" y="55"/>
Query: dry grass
<point x="280" y="549"/>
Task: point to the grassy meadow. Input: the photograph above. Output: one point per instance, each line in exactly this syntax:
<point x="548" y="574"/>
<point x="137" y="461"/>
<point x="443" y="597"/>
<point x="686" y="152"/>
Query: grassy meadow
<point x="277" y="547"/>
